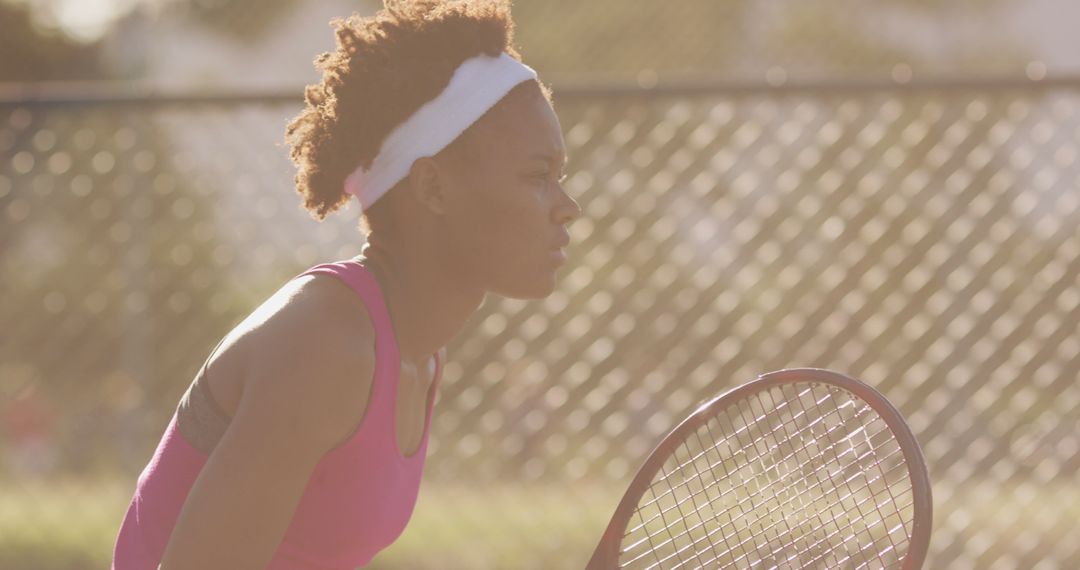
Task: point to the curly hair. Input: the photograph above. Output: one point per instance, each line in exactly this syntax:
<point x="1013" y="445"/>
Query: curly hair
<point x="383" y="69"/>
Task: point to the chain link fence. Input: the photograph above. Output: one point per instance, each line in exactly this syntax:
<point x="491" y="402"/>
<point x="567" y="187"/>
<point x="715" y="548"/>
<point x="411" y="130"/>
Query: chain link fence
<point x="922" y="237"/>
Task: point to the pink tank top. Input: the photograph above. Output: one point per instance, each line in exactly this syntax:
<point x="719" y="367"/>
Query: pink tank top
<point x="359" y="497"/>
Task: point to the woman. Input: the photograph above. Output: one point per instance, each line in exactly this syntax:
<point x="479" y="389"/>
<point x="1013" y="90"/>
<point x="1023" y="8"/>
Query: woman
<point x="300" y="443"/>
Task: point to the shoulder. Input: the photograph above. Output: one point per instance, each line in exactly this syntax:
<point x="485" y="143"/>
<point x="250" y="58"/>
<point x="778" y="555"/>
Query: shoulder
<point x="313" y="314"/>
<point x="310" y="359"/>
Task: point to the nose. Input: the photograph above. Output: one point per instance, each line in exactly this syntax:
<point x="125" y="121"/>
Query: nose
<point x="567" y="210"/>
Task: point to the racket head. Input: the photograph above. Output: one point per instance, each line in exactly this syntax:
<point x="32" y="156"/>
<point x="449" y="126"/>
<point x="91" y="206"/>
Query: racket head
<point x="674" y="532"/>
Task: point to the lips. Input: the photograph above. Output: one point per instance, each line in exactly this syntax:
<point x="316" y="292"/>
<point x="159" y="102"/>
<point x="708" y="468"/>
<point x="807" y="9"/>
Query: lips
<point x="558" y="252"/>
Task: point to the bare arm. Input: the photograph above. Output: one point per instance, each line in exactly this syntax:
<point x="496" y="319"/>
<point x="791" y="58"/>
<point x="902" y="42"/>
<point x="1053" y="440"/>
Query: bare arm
<point x="305" y="390"/>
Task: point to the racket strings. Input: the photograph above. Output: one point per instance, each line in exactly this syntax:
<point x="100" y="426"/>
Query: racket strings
<point x="833" y="444"/>
<point x="846" y="483"/>
<point x="800" y="476"/>
<point x="731" y="489"/>
<point x="779" y="506"/>
<point x="782" y="505"/>
<point x="673" y="489"/>
<point x="891" y="499"/>
<point x="705" y="450"/>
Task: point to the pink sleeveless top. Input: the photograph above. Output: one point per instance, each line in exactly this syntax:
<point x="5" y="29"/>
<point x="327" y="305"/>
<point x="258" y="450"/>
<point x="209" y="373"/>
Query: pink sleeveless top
<point x="359" y="497"/>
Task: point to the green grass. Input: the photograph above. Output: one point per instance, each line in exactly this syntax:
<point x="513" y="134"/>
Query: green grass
<point x="60" y="524"/>
<point x="503" y="526"/>
<point x="71" y="525"/>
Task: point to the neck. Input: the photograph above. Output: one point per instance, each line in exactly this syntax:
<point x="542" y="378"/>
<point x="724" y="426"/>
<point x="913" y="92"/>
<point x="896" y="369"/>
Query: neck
<point x="428" y="306"/>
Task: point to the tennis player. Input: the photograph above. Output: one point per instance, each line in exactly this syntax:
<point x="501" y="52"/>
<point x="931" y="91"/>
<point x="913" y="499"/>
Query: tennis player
<point x="300" y="443"/>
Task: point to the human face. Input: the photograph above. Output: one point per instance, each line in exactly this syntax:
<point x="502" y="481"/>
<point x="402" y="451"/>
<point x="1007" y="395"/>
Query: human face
<point x="507" y="212"/>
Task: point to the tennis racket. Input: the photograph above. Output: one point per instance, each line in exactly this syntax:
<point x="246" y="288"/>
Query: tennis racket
<point x="799" y="468"/>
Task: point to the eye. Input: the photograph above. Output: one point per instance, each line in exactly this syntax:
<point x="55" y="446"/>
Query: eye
<point x="541" y="176"/>
<point x="547" y="175"/>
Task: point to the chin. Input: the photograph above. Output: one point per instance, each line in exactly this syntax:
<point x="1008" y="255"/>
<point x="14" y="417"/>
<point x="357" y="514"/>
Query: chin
<point x="537" y="288"/>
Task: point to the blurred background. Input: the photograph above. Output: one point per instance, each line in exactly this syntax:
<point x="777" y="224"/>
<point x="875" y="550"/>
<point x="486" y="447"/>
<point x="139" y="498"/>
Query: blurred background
<point x="889" y="189"/>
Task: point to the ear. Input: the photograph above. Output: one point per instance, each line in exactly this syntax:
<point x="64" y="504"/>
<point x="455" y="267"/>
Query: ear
<point x="426" y="183"/>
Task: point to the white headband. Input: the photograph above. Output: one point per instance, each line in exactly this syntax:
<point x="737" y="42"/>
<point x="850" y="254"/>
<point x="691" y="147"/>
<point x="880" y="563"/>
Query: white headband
<point x="477" y="84"/>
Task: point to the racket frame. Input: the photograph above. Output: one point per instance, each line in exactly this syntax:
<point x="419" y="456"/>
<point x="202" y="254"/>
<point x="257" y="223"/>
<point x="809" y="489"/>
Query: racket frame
<point x="607" y="552"/>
